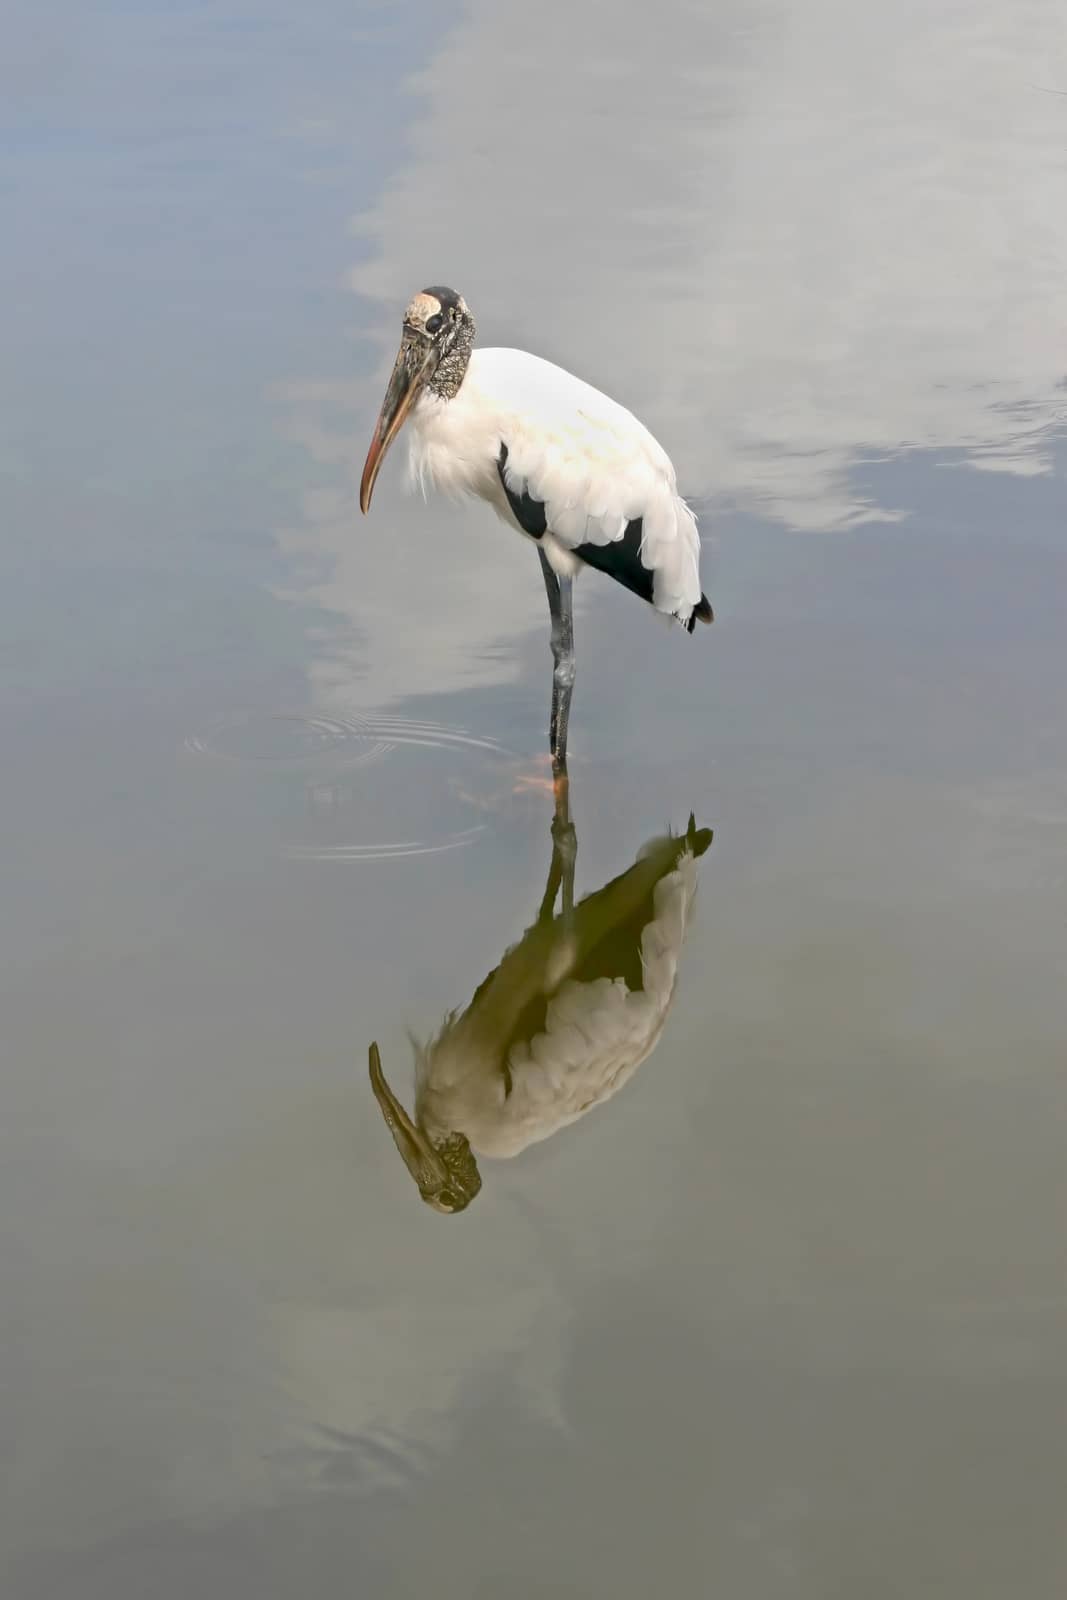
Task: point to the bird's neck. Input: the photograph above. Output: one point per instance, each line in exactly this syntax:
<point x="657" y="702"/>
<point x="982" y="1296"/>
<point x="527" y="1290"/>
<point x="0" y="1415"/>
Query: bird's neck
<point x="452" y="368"/>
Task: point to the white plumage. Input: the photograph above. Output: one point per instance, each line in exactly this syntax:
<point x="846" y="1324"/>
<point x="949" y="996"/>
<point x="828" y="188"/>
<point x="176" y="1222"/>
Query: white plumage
<point x="559" y="1026"/>
<point x="591" y="464"/>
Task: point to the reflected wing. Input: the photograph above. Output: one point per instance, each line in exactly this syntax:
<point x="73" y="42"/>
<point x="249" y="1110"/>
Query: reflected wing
<point x="595" y="1033"/>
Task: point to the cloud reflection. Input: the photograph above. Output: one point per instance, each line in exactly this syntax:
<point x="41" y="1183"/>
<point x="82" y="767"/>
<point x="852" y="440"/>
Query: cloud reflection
<point x="793" y="241"/>
<point x="789" y="241"/>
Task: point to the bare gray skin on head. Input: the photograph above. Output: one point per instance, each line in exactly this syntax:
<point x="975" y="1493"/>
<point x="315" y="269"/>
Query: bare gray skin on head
<point x="435" y="351"/>
<point x="447" y="321"/>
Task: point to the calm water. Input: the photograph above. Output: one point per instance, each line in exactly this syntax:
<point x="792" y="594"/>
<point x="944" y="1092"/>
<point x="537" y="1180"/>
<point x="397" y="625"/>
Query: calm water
<point x="788" y="1316"/>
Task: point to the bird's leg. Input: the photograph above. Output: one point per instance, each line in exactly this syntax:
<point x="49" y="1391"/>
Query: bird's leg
<point x="562" y="681"/>
<point x="559" y="591"/>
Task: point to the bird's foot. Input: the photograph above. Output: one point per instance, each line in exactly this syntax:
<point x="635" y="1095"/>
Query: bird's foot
<point x="532" y="777"/>
<point x="541" y="778"/>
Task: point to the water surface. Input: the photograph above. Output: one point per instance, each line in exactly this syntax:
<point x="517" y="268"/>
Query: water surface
<point x="788" y="1314"/>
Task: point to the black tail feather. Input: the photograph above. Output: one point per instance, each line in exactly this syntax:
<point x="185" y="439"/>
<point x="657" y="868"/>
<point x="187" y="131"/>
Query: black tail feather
<point x="702" y="612"/>
<point x="621" y="559"/>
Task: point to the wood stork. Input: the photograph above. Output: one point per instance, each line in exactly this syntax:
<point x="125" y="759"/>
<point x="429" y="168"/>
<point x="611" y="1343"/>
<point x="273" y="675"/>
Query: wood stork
<point x="567" y="1017"/>
<point x="568" y="467"/>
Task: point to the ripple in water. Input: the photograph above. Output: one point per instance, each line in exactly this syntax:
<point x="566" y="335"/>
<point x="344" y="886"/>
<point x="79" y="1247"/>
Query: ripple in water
<point x="420" y="804"/>
<point x="296" y="739"/>
<point x="384" y="852"/>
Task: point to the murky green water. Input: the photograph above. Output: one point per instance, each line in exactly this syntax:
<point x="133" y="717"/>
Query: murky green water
<point x="786" y="1314"/>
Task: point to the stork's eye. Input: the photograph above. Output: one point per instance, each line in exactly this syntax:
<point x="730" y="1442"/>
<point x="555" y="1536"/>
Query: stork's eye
<point x="433" y="324"/>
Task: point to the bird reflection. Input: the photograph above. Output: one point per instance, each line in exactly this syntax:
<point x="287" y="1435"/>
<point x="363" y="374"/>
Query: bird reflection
<point x="572" y="1010"/>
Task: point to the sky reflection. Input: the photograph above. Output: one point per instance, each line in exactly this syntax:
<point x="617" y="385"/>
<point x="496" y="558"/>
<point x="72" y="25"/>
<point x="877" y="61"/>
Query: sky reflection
<point x="795" y="242"/>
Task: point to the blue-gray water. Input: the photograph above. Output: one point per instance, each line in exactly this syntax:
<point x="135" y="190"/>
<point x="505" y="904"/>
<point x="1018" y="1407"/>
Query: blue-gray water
<point x="788" y="1316"/>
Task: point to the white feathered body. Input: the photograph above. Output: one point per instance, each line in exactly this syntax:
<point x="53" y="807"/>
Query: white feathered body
<point x="589" y="461"/>
<point x="505" y="1087"/>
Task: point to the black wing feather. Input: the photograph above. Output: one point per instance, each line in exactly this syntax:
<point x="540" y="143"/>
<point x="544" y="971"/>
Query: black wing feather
<point x="621" y="560"/>
<point x="529" y="513"/>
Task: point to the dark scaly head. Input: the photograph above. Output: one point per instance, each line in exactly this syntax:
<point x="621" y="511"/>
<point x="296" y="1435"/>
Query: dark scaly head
<point x="444" y="1169"/>
<point x="435" y="347"/>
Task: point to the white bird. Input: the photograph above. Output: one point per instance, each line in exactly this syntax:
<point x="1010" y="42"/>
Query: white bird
<point x="557" y="460"/>
<point x="567" y="1017"/>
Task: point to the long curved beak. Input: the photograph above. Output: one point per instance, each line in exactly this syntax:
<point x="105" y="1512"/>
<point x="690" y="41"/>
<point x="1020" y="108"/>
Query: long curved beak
<point x="417" y="1153"/>
<point x="413" y="365"/>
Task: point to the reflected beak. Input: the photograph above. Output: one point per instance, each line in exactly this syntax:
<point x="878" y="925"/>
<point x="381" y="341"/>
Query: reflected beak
<point x="417" y="1153"/>
<point x="414" y="362"/>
